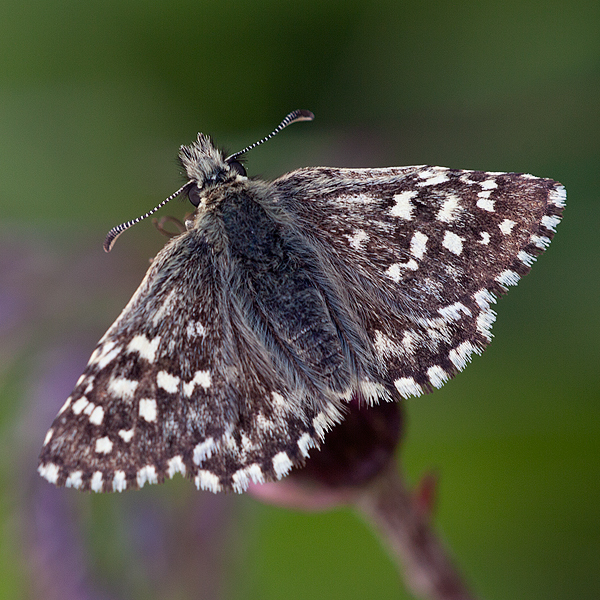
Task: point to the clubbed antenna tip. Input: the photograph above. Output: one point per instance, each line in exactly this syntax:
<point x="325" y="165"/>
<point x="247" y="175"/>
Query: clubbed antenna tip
<point x="293" y="117"/>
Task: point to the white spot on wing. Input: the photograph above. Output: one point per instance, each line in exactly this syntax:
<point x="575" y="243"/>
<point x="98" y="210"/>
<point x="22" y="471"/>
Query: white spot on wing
<point x="558" y="196"/>
<point x="526" y="258"/>
<point x="48" y="436"/>
<point x="541" y="241"/>
<point x="242" y="478"/>
<point x="278" y="399"/>
<point x="418" y="245"/>
<point x="97" y="416"/>
<point x="461" y="355"/>
<point x="49" y="472"/>
<point x="148" y="409"/>
<point x="90" y="385"/>
<point x="247" y="444"/>
<point x="403" y="207"/>
<point x="256" y="473"/>
<point x="395" y="271"/>
<point x="122" y="388"/>
<point x="450" y="208"/>
<point x="79" y="405"/>
<point x="282" y="464"/>
<point x="228" y="442"/>
<point x="485" y="320"/>
<point x="432" y="177"/>
<point x="484" y="298"/>
<point x="332" y="412"/>
<point x="176" y="465"/>
<point x="103" y="445"/>
<point x="372" y="391"/>
<point x="508" y="277"/>
<point x="485" y="238"/>
<point x="488" y="184"/>
<point x="119" y="481"/>
<point x="321" y="424"/>
<point x="240" y="481"/>
<point x="407" y="386"/>
<point x="195" y="329"/>
<point x="385" y="346"/>
<point x="96" y="482"/>
<point x="409" y="342"/>
<point x="200" y="378"/>
<point x="453" y="242"/>
<point x="204" y="450"/>
<point x="264" y="423"/>
<point x="305" y="443"/>
<point x="106" y="355"/>
<point x="550" y="222"/>
<point x="205" y="480"/>
<point x="453" y="311"/>
<point x="126" y="434"/>
<point x="74" y="480"/>
<point x="506" y="226"/>
<point x="359" y="237"/>
<point x="105" y="348"/>
<point x="169" y="383"/>
<point x="437" y="376"/>
<point x="65" y="405"/>
<point x="146" y="474"/>
<point x="352" y="199"/>
<point x="144" y="347"/>
<point x="486" y="204"/>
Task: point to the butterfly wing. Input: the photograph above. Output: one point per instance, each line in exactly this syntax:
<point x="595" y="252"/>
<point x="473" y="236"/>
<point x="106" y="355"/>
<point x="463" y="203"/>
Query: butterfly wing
<point x="422" y="252"/>
<point x="181" y="382"/>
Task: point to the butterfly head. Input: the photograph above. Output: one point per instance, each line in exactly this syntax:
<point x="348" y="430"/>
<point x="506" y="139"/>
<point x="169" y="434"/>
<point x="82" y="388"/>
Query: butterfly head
<point x="206" y="167"/>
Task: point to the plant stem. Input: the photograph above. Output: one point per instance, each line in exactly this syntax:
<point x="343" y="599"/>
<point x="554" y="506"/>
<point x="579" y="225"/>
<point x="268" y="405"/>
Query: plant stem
<point x="390" y="506"/>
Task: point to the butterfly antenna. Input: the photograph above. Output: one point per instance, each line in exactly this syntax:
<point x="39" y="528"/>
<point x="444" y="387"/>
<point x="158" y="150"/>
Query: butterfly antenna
<point x="293" y="117"/>
<point x="115" y="232"/>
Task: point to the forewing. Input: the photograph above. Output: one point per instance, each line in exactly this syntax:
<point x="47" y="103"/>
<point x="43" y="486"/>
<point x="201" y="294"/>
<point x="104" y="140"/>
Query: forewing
<point x="179" y="384"/>
<point x="421" y="253"/>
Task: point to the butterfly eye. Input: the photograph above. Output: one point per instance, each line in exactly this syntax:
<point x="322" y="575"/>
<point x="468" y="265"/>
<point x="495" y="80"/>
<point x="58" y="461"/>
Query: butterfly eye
<point x="238" y="168"/>
<point x="194" y="195"/>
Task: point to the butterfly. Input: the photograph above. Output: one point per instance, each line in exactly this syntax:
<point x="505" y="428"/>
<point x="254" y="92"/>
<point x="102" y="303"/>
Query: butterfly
<point x="281" y="301"/>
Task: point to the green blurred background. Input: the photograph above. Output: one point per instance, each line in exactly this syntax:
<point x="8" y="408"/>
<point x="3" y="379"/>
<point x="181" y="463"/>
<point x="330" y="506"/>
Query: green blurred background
<point x="95" y="99"/>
